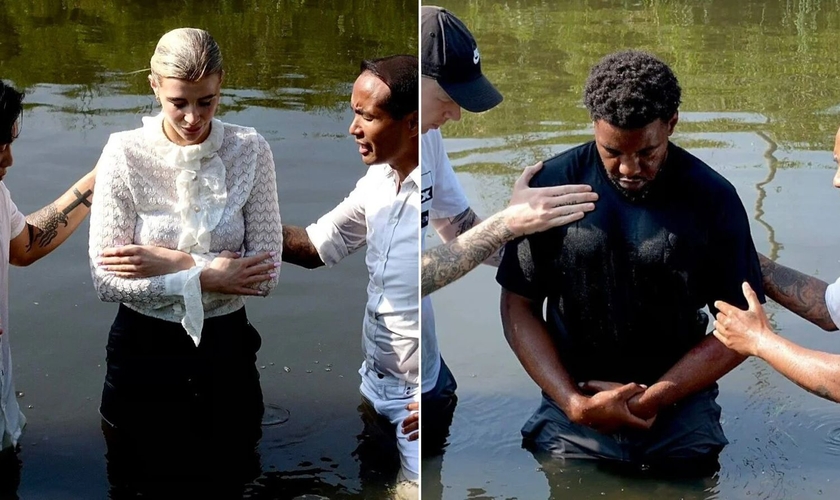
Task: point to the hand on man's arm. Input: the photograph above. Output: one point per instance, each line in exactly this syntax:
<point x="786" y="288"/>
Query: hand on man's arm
<point x="50" y="226"/>
<point x="526" y="332"/>
<point x="749" y="333"/>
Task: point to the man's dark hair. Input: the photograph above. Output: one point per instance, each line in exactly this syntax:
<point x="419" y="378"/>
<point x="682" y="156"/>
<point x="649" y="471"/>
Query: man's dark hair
<point x="399" y="73"/>
<point x="631" y="89"/>
<point x="11" y="107"/>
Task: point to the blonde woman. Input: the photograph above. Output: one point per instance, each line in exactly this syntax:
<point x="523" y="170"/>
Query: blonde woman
<point x="185" y="223"/>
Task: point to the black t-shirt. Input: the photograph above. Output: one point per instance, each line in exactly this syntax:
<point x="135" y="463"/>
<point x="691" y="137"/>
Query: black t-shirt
<point x="625" y="283"/>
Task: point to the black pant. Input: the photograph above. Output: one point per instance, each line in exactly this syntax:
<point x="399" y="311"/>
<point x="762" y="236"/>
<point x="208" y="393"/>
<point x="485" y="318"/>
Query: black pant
<point x="179" y="416"/>
<point x="9" y="473"/>
<point x="438" y="408"/>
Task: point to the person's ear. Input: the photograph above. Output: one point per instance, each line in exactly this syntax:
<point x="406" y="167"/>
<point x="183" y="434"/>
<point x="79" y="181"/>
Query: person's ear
<point x="413" y="120"/>
<point x="673" y="123"/>
<point x="154" y="84"/>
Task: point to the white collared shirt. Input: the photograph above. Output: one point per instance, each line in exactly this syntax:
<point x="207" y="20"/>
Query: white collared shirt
<point x="12" y="222"/>
<point x="386" y="220"/>
<point x="442" y="197"/>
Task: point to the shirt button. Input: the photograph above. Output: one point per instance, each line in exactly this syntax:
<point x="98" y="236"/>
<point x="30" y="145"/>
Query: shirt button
<point x="394" y="220"/>
<point x="382" y="257"/>
<point x="197" y="208"/>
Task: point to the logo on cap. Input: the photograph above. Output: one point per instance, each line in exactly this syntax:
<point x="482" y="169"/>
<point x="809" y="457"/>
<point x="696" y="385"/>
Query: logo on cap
<point x="448" y="47"/>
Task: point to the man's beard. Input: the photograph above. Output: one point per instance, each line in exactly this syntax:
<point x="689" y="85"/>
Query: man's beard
<point x="635" y="195"/>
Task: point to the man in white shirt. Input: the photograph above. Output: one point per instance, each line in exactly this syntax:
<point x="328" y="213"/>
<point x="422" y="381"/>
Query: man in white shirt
<point x="23" y="240"/>
<point x="452" y="79"/>
<point x="750" y="333"/>
<point x="383" y="214"/>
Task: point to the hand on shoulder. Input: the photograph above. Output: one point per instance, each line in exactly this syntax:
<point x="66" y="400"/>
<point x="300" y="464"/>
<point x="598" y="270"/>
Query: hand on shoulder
<point x="532" y="210"/>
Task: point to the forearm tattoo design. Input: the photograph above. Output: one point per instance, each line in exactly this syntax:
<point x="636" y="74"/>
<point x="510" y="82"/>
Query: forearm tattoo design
<point x="464" y="221"/>
<point x="448" y="262"/>
<point x="44" y="224"/>
<point x="298" y="248"/>
<point x="802" y="294"/>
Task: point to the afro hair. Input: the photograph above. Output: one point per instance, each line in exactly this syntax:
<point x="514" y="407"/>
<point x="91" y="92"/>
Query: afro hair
<point x="631" y="89"/>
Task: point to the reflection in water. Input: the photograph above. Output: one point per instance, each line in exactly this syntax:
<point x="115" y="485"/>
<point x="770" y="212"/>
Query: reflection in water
<point x="590" y="479"/>
<point x="377" y="452"/>
<point x="196" y="461"/>
<point x="772" y="165"/>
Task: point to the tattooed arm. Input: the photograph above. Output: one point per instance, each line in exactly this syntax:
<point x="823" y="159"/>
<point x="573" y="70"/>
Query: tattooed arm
<point x="799" y="293"/>
<point x="446" y="263"/>
<point x="298" y="248"/>
<point x="47" y="228"/>
<point x="531" y="210"/>
<point x="452" y="227"/>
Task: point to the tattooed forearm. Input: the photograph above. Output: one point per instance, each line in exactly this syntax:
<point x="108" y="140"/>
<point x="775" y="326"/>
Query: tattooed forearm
<point x="81" y="199"/>
<point x="801" y="294"/>
<point x="448" y="262"/>
<point x="464" y="221"/>
<point x="44" y="224"/>
<point x="298" y="248"/>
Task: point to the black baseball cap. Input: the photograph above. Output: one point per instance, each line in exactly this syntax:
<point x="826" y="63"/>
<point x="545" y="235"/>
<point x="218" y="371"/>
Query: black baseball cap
<point x="450" y="56"/>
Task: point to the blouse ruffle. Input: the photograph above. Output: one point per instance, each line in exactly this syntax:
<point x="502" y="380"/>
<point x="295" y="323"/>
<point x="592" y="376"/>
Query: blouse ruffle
<point x="202" y="196"/>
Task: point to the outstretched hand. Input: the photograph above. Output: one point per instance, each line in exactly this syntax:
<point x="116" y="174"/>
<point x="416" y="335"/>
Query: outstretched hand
<point x="742" y="331"/>
<point x="231" y="274"/>
<point x="532" y="210"/>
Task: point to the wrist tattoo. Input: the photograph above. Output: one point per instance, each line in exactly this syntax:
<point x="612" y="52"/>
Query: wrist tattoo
<point x="464" y="221"/>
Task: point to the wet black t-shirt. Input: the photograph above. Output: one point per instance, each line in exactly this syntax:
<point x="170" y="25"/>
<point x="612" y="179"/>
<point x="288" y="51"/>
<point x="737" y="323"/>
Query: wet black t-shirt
<point x="625" y="283"/>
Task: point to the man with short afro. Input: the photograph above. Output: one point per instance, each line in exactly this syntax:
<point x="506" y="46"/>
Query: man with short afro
<point x="631" y="89"/>
<point x="623" y="357"/>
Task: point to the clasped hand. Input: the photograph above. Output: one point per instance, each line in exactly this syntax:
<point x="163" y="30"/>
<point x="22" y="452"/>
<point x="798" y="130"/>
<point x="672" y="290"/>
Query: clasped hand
<point x="227" y="273"/>
<point x="230" y="273"/>
<point x="610" y="406"/>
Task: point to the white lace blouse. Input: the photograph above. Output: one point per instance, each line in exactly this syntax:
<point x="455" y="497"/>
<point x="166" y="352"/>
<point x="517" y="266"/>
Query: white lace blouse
<point x="200" y="199"/>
